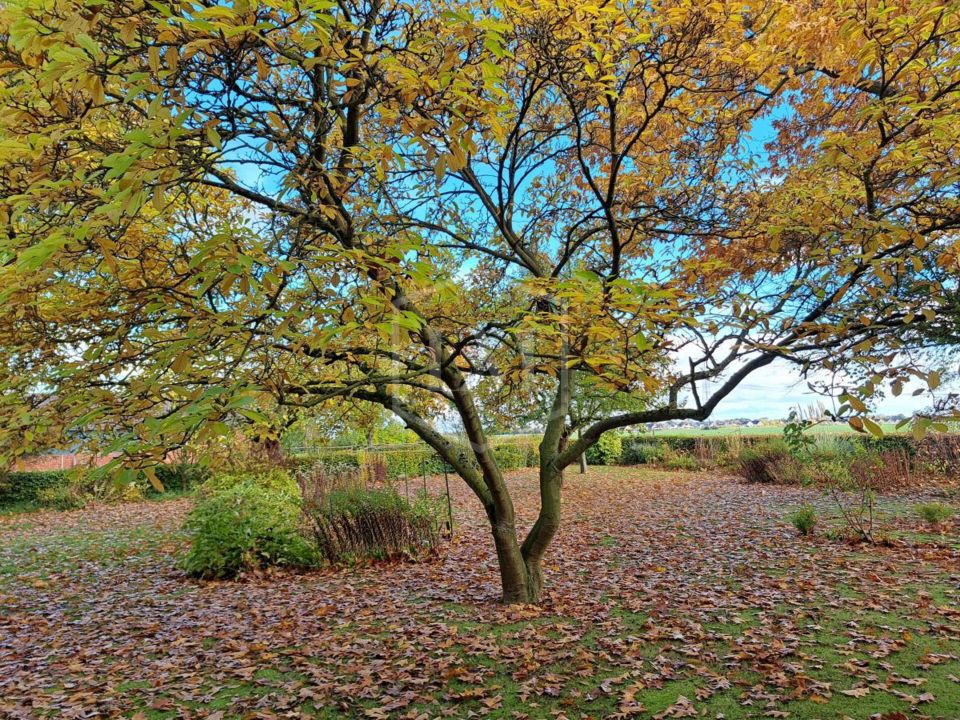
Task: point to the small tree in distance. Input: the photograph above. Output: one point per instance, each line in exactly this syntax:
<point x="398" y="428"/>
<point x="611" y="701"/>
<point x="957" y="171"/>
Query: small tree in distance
<point x="395" y="203"/>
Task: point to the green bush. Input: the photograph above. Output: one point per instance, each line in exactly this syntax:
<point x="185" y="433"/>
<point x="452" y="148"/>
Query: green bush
<point x="804" y="519"/>
<point x="246" y="525"/>
<point x="533" y="453"/>
<point x="412" y="462"/>
<point x="642" y="453"/>
<point x="606" y="451"/>
<point x="180" y="477"/>
<point x="679" y="443"/>
<point x="272" y="479"/>
<point x="68" y="496"/>
<point x="934" y="513"/>
<point x="888" y="443"/>
<point x="510" y="456"/>
<point x="675" y="461"/>
<point x="340" y="458"/>
<point x="63" y="489"/>
<point x="23" y="487"/>
<point x="770" y="462"/>
<point x="358" y="523"/>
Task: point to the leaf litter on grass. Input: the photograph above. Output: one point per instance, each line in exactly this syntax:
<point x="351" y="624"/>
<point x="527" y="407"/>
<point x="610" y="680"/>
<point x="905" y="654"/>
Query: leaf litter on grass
<point x="669" y="596"/>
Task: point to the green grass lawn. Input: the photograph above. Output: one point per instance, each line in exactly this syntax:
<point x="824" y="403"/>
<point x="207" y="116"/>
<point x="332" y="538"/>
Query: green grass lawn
<point x="669" y="595"/>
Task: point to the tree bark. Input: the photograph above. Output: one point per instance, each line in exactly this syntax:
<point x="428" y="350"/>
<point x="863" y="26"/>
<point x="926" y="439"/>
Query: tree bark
<point x="521" y="577"/>
<point x="513" y="568"/>
<point x="521" y="566"/>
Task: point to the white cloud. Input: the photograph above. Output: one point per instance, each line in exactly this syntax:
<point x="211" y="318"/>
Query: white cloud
<point x="773" y="391"/>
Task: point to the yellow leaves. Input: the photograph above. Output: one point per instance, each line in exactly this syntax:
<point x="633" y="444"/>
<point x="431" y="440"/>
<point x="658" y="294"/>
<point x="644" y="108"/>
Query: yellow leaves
<point x="865" y="424"/>
<point x="263" y="71"/>
<point x="677" y="15"/>
<point x="172" y="58"/>
<point x="128" y="30"/>
<point x="872" y="427"/>
<point x="151" y="475"/>
<point x="881" y="272"/>
<point x="95" y="86"/>
<point x="275" y="121"/>
<point x="153" y="58"/>
<point x="213" y="137"/>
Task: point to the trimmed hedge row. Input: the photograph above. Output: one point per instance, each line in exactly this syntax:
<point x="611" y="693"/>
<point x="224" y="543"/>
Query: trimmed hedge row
<point x="641" y="449"/>
<point x="17" y="487"/>
<point x="417" y="459"/>
<point x="29" y="486"/>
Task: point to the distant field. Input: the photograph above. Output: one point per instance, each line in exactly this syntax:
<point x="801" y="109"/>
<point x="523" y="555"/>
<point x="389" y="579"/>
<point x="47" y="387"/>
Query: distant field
<point x="825" y="429"/>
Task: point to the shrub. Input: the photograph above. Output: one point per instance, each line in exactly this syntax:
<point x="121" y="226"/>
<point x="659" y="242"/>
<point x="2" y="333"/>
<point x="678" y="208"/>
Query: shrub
<point x="852" y="493"/>
<point x="533" y="453"/>
<point x="19" y="487"/>
<point x="770" y="462"/>
<point x="606" y="451"/>
<point x="273" y="479"/>
<point x="68" y="496"/>
<point x="510" y="456"/>
<point x="60" y="490"/>
<point x="64" y="489"/>
<point x="804" y="519"/>
<point x="180" y="477"/>
<point x="934" y="513"/>
<point x="681" y="462"/>
<point x="246" y="525"/>
<point x="679" y="443"/>
<point x="338" y="457"/>
<point x="642" y="453"/>
<point x="414" y="460"/>
<point x="358" y="523"/>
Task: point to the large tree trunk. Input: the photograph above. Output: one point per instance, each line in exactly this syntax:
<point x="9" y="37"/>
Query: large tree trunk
<point x="521" y="578"/>
<point x="521" y="567"/>
<point x="513" y="570"/>
<point x="529" y="588"/>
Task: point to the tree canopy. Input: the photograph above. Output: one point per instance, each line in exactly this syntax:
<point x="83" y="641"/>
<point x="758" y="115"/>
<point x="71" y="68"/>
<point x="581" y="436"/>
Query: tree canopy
<point x="207" y="204"/>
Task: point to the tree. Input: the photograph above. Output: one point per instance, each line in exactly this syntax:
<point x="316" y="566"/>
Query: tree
<point x="591" y="400"/>
<point x="391" y="202"/>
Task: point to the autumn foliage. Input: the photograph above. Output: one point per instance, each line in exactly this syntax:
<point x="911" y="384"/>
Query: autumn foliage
<point x="210" y="209"/>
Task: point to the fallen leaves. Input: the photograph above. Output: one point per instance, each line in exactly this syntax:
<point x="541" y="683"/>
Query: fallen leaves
<point x="721" y="607"/>
<point x="680" y="709"/>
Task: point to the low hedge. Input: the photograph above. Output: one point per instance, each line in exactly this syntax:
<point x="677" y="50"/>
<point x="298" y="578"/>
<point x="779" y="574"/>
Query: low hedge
<point x="414" y="460"/>
<point x="36" y="486"/>
<point x="180" y="477"/>
<point x="18" y="487"/>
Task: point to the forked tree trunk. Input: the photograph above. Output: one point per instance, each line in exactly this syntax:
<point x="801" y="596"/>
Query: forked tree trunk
<point x="521" y="566"/>
<point x="514" y="576"/>
<point x="522" y="578"/>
